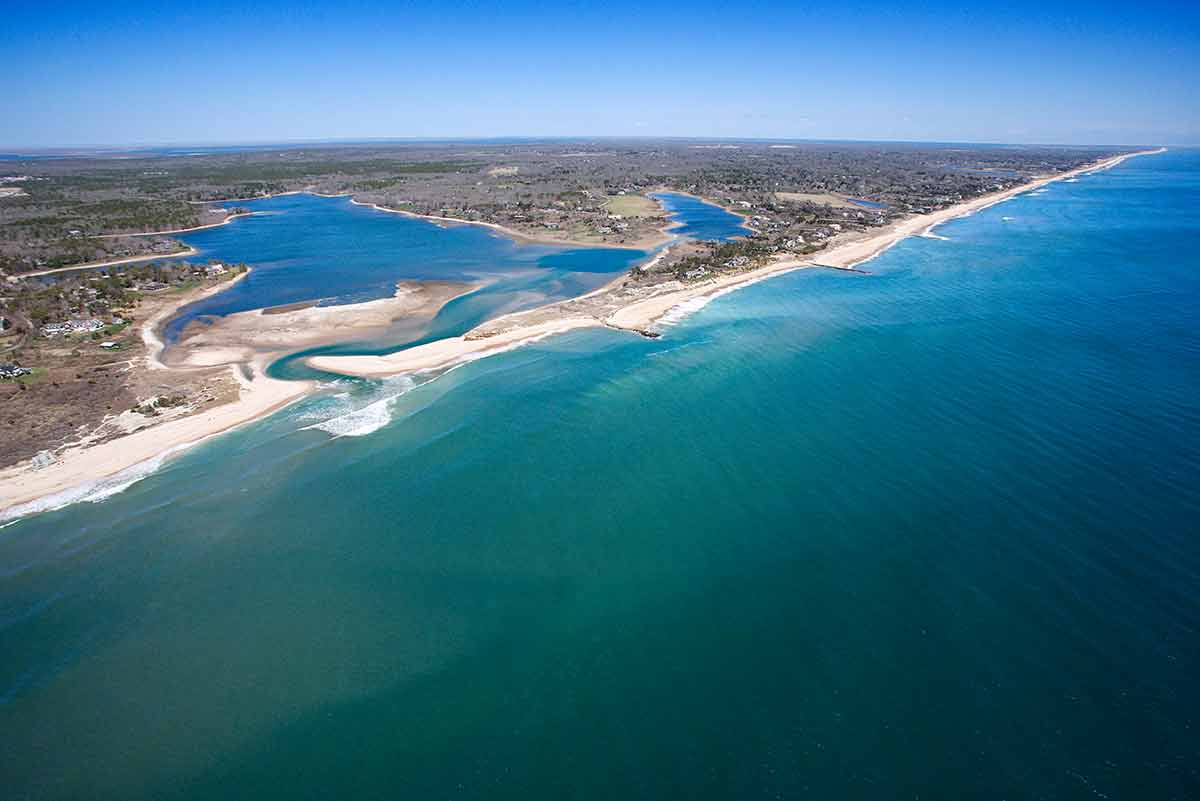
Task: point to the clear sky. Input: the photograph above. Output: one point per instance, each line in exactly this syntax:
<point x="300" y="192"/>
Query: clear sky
<point x="116" y="72"/>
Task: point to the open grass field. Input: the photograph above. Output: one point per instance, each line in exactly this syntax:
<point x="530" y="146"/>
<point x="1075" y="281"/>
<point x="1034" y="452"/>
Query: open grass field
<point x="827" y="198"/>
<point x="632" y="206"/>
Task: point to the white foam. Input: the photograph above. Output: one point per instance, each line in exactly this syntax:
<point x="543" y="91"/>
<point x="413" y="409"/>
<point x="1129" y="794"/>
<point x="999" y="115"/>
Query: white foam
<point x="1008" y="219"/>
<point x="932" y="235"/>
<point x="678" y="313"/>
<point x="359" y="422"/>
<point x="351" y="417"/>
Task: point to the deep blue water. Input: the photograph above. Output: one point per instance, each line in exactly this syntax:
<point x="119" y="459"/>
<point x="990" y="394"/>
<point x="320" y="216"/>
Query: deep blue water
<point x="930" y="532"/>
<point x="700" y="220"/>
<point x="305" y="247"/>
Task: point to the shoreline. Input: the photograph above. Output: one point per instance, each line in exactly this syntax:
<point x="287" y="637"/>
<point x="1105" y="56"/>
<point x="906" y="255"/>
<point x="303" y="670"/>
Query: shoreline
<point x="79" y="471"/>
<point x="228" y="219"/>
<point x="641" y="315"/>
<point x="92" y="265"/>
<point x="265" y="197"/>
<point x="152" y="329"/>
<point x="745" y="218"/>
<point x="520" y="237"/>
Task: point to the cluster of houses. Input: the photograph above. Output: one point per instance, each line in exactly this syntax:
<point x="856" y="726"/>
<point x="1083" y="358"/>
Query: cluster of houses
<point x="207" y="270"/>
<point x="88" y="326"/>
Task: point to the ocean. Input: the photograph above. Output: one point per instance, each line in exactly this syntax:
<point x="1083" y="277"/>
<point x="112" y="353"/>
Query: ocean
<point x="929" y="532"/>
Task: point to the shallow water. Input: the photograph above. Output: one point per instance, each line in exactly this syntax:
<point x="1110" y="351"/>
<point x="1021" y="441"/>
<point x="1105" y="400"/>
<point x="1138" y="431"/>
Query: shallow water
<point x="306" y="247"/>
<point x="929" y="532"/>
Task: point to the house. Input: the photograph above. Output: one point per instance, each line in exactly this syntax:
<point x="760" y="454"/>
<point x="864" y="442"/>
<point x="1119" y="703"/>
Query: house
<point x="72" y="327"/>
<point x="109" y="345"/>
<point x="213" y="270"/>
<point x="13" y="371"/>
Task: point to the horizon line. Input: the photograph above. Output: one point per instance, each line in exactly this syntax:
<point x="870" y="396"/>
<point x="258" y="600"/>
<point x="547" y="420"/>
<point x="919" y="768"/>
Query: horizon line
<point x="126" y="147"/>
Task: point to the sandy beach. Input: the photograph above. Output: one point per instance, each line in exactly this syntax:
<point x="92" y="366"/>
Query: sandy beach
<point x="274" y="332"/>
<point x="23" y="486"/>
<point x="641" y="314"/>
<point x="246" y="343"/>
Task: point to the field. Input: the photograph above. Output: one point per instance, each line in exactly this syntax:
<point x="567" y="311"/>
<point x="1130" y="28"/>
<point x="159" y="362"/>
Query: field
<point x="824" y="198"/>
<point x="632" y="206"/>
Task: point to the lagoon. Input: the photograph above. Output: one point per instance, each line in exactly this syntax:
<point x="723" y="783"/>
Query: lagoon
<point x="306" y="247"/>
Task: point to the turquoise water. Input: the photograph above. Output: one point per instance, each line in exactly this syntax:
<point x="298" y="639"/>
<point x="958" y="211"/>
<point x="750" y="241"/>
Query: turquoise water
<point x="925" y="533"/>
<point x="306" y="247"/>
<point x="866" y="204"/>
<point x="700" y="220"/>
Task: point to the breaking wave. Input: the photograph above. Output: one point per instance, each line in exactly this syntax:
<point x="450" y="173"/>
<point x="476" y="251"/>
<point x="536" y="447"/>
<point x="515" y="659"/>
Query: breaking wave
<point x="676" y="314"/>
<point x="93" y="491"/>
<point x="349" y="414"/>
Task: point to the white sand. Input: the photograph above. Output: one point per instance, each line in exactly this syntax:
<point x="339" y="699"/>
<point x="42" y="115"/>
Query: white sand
<point x="643" y="314"/>
<point x="445" y="352"/>
<point x="23" y="483"/>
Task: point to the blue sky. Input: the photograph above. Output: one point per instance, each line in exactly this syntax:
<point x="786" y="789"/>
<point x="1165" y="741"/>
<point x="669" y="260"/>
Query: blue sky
<point x="126" y="73"/>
